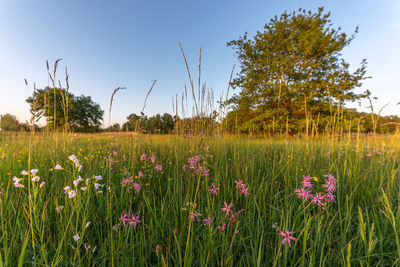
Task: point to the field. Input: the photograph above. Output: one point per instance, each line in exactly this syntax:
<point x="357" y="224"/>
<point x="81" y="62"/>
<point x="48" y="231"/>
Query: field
<point x="166" y="200"/>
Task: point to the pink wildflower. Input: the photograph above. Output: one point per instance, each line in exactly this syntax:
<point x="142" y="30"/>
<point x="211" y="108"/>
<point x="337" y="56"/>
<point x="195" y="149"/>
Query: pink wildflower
<point x="134" y="220"/>
<point x="129" y="218"/>
<point x="125" y="182"/>
<point x="287" y="237"/>
<point x="227" y="208"/>
<point x="207" y="221"/>
<point x="194" y="215"/>
<point x="214" y="190"/>
<point x="303" y="193"/>
<point x="58" y="167"/>
<point x="158" y="167"/>
<point x="329" y="197"/>
<point x="239" y="184"/>
<point x="143" y="157"/>
<point x="185" y="167"/>
<point x="137" y="187"/>
<point x="318" y="199"/>
<point x="306" y="183"/>
<point x="244" y="191"/>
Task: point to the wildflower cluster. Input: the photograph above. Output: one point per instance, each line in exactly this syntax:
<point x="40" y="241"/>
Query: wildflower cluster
<point x="33" y="176"/>
<point x="129" y="183"/>
<point x="242" y="187"/>
<point x="318" y="198"/>
<point x="194" y="164"/>
<point x="147" y="171"/>
<point x="230" y="214"/>
<point x="157" y="167"/>
<point x="77" y="186"/>
<point x="75" y="161"/>
<point x="129" y="219"/>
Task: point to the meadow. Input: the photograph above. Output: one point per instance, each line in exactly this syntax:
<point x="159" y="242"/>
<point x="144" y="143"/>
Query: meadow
<point x="148" y="200"/>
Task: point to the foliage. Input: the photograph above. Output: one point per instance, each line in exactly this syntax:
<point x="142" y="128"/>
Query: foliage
<point x="116" y="127"/>
<point x="9" y="122"/>
<point x="293" y="72"/>
<point x="82" y="114"/>
<point x="156" y="124"/>
<point x="85" y="115"/>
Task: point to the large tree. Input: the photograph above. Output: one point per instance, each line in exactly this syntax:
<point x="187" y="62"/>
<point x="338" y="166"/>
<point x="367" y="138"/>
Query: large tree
<point x="9" y="122"/>
<point x="293" y="70"/>
<point x="61" y="107"/>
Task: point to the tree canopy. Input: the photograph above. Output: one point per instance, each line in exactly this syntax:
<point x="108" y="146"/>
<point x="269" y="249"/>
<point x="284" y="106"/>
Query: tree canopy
<point x="9" y="122"/>
<point x="155" y="124"/>
<point x="291" y="71"/>
<point x="60" y="107"/>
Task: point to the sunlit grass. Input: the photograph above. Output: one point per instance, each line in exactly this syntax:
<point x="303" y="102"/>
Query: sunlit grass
<point x="43" y="225"/>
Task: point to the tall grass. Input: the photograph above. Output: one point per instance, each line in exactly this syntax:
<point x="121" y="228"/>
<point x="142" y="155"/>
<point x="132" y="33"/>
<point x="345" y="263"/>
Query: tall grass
<point x="361" y="228"/>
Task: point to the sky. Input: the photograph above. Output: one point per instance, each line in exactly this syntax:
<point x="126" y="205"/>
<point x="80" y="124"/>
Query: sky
<point x="107" y="44"/>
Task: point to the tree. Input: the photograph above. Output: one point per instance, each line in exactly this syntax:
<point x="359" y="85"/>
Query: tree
<point x="50" y="101"/>
<point x="130" y="125"/>
<point x="116" y="127"/>
<point x="60" y="107"/>
<point x="293" y="72"/>
<point x="85" y="115"/>
<point x="9" y="122"/>
<point x="168" y="123"/>
<point x="156" y="124"/>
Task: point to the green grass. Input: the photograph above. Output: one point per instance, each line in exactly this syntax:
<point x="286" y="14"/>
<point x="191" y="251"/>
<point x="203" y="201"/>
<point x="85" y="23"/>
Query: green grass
<point x="361" y="229"/>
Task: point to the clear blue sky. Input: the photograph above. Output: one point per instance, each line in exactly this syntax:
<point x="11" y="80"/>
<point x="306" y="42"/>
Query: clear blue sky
<point x="107" y="44"/>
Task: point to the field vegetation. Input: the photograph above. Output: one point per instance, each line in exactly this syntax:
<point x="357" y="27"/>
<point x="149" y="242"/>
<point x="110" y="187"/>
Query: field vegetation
<point x="198" y="200"/>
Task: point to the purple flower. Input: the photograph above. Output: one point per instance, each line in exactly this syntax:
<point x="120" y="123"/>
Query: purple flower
<point x="140" y="174"/>
<point x="185" y="167"/>
<point x="222" y="229"/>
<point x="158" y="167"/>
<point x="153" y="159"/>
<point x="239" y="184"/>
<point x="194" y="215"/>
<point x="242" y="187"/>
<point x="244" y="191"/>
<point x="143" y="157"/>
<point x="137" y="187"/>
<point x="207" y="221"/>
<point x="124" y="157"/>
<point x="329" y="197"/>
